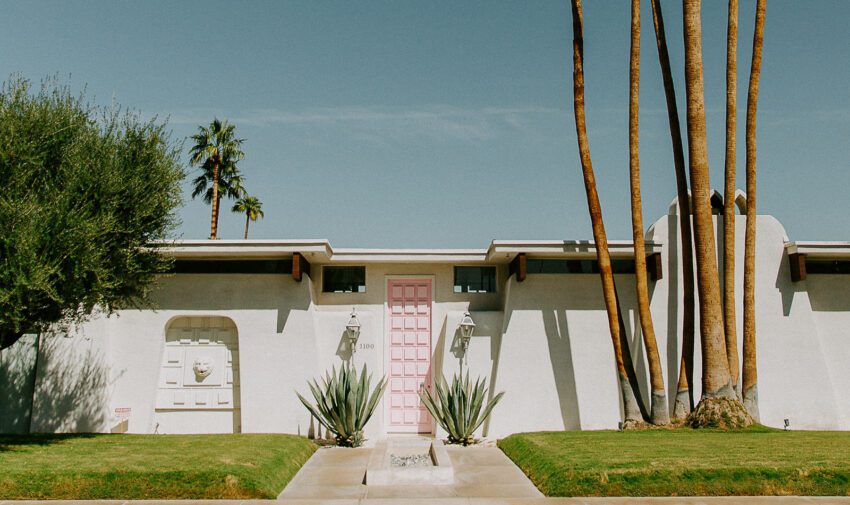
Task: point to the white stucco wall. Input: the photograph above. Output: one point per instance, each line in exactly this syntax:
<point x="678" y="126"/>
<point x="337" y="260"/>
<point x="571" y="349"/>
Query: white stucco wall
<point x="17" y="380"/>
<point x="556" y="360"/>
<point x="74" y="381"/>
<point x="796" y="346"/>
<point x="544" y="341"/>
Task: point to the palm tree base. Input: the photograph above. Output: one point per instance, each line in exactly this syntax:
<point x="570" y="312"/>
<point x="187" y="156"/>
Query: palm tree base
<point x="751" y="401"/>
<point x="720" y="413"/>
<point x="682" y="407"/>
<point x="659" y="415"/>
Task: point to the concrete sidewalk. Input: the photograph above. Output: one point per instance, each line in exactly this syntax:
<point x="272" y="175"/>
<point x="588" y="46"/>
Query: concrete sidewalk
<point x="716" y="500"/>
<point x="480" y="472"/>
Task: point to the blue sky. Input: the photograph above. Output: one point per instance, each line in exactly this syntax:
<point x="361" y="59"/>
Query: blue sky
<point x="445" y="123"/>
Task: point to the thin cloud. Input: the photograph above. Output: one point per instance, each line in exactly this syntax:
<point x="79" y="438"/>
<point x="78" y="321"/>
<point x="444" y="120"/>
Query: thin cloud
<point x="444" y="123"/>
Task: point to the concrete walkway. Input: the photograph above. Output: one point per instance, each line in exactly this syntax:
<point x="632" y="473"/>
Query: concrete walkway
<point x="480" y="472"/>
<point x="717" y="500"/>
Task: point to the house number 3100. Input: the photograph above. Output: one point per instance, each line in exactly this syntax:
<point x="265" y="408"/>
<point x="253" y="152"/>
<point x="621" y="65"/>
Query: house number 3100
<point x="366" y="346"/>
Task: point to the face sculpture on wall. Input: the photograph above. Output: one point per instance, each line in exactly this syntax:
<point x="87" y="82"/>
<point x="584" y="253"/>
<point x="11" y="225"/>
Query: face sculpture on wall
<point x="203" y="367"/>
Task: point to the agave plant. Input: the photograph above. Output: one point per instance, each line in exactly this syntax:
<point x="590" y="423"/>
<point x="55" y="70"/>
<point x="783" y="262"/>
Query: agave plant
<point x="457" y="408"/>
<point x="343" y="403"/>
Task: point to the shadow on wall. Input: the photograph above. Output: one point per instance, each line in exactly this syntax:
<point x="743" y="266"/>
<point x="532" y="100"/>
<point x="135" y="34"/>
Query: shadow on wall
<point x="828" y="292"/>
<point x="233" y="292"/>
<point x="561" y="358"/>
<point x="787" y="288"/>
<point x="17" y="377"/>
<point x="674" y="299"/>
<point x="558" y="340"/>
<point x="343" y="348"/>
<point x="70" y="393"/>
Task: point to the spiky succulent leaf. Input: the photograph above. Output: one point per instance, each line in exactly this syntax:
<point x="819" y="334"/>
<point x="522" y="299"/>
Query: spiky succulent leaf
<point x="457" y="408"/>
<point x="343" y="403"/>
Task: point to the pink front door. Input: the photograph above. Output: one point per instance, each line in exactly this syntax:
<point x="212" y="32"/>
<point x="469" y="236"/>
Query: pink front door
<point x="409" y="336"/>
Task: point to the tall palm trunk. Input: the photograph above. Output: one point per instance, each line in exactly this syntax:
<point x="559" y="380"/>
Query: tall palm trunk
<point x="750" y="378"/>
<point x="215" y="200"/>
<point x="684" y="395"/>
<point x="731" y="321"/>
<point x="659" y="413"/>
<point x="247" y="222"/>
<point x="630" y="404"/>
<point x="715" y="368"/>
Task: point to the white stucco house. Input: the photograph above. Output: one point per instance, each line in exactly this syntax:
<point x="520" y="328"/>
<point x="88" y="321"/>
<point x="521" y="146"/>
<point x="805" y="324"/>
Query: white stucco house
<point x="243" y="324"/>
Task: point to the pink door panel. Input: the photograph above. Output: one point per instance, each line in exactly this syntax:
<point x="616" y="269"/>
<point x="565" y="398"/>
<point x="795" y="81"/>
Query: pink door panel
<point x="409" y="327"/>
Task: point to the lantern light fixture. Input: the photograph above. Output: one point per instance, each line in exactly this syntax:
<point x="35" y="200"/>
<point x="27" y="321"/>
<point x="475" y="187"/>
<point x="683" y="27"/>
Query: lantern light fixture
<point x="352" y="329"/>
<point x="467" y="326"/>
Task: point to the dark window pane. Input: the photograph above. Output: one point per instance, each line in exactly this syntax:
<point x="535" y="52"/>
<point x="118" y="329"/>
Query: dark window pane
<point x="475" y="280"/>
<point x="623" y="266"/>
<point x="827" y="267"/>
<point x="551" y="266"/>
<point x="232" y="267"/>
<point x="344" y="279"/>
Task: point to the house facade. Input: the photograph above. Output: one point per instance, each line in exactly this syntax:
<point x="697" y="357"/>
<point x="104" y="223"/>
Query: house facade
<point x="241" y="325"/>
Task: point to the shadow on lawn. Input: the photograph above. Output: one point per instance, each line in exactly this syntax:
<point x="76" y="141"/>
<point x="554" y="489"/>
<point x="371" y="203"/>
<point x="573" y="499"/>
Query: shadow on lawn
<point x="17" y="442"/>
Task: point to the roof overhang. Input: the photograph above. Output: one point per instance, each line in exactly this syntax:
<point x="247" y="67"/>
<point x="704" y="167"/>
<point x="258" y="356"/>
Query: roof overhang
<point x="246" y="249"/>
<point x="820" y="250"/>
<point x="578" y="249"/>
<point x="320" y="251"/>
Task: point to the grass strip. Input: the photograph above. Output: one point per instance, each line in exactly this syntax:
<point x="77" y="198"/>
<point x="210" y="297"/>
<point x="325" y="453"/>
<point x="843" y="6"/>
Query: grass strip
<point x="240" y="466"/>
<point x="684" y="462"/>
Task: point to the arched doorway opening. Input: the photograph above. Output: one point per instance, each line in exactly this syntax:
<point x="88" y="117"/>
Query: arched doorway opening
<point x="198" y="390"/>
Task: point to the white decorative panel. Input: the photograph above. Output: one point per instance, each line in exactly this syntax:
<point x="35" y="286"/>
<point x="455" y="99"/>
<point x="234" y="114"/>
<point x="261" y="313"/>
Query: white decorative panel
<point x="200" y="367"/>
<point x="172" y="376"/>
<point x="174" y="355"/>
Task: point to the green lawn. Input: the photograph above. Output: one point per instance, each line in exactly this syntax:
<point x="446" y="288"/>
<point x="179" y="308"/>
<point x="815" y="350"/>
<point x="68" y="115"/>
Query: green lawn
<point x="684" y="462"/>
<point x="149" y="466"/>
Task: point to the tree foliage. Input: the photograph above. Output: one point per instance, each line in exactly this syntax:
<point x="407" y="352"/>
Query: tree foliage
<point x="85" y="194"/>
<point x="252" y="207"/>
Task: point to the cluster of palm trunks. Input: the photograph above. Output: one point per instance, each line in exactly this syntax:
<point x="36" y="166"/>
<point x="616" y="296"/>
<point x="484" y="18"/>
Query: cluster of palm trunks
<point x="726" y="401"/>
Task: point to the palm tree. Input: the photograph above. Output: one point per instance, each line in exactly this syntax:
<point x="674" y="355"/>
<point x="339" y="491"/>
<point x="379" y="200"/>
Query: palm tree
<point x="716" y="382"/>
<point x="684" y="395"/>
<point x="750" y="376"/>
<point x="217" y="151"/>
<point x="252" y="207"/>
<point x="230" y="182"/>
<point x="631" y="406"/>
<point x="658" y="411"/>
<point x="730" y="320"/>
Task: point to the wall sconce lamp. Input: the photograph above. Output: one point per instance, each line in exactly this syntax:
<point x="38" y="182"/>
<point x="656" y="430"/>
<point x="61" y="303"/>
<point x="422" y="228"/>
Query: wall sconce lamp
<point x="467" y="326"/>
<point x="352" y="330"/>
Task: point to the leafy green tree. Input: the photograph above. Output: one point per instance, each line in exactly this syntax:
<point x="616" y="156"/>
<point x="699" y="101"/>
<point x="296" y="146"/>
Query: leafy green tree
<point x="85" y="196"/>
<point x="217" y="151"/>
<point x="252" y="207"/>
